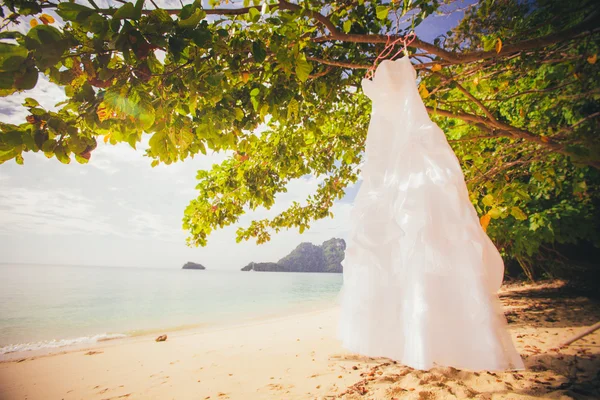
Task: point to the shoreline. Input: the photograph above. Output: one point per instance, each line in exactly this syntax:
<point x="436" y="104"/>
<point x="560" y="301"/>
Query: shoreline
<point x="174" y="331"/>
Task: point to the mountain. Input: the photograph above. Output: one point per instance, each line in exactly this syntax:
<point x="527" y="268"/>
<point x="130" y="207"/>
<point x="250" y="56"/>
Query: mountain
<point x="191" y="265"/>
<point x="334" y="253"/>
<point x="307" y="257"/>
<point x="267" y="266"/>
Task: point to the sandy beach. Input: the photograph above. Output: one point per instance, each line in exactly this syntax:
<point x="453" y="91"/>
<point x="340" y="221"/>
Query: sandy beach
<point x="299" y="357"/>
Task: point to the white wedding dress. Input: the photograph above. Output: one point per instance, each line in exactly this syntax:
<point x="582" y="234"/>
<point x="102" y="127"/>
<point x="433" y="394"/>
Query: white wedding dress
<point x="420" y="274"/>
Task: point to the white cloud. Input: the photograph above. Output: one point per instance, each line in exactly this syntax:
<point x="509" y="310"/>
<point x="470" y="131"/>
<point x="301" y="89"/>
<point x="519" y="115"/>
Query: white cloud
<point x="105" y="165"/>
<point x="46" y="93"/>
<point x="50" y="212"/>
<point x="144" y="224"/>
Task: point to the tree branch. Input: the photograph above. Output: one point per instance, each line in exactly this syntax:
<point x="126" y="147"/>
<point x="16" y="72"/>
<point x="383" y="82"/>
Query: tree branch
<point x="482" y="137"/>
<point x="590" y="24"/>
<point x="463" y="116"/>
<point x="551" y="89"/>
<point x="326" y="22"/>
<point x="505" y="166"/>
<point x="344" y="64"/>
<point x="320" y="74"/>
<point x="570" y="128"/>
<point x="475" y="100"/>
<point x="500" y="128"/>
<point x="339" y="63"/>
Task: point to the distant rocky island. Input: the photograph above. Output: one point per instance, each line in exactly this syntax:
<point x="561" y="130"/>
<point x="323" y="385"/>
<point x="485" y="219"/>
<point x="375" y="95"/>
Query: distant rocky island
<point x="191" y="265"/>
<point x="307" y="257"/>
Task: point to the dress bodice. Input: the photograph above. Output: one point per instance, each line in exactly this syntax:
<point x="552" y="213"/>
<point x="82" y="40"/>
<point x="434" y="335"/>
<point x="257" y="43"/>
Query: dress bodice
<point x="393" y="91"/>
<point x="391" y="78"/>
<point x="398" y="113"/>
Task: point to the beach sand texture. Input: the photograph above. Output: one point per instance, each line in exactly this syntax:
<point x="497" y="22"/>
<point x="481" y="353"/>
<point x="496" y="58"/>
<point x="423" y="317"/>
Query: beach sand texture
<point x="299" y="357"/>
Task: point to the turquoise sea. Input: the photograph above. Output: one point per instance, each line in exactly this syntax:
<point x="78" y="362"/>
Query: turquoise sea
<point x="45" y="306"/>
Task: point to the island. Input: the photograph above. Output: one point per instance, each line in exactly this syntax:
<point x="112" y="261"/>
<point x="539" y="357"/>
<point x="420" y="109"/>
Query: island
<point x="307" y="257"/>
<point x="192" y="265"/>
<point x="267" y="266"/>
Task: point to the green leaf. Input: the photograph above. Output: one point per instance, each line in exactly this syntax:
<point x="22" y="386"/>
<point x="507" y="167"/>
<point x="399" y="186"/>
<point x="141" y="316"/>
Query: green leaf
<point x="48" y="146"/>
<point x="258" y="51"/>
<point x="349" y="157"/>
<point x="254" y="14"/>
<point x="176" y="46"/>
<point x="193" y="20"/>
<point x="254" y="102"/>
<point x="161" y="16"/>
<point x="488" y="200"/>
<point x="24" y="7"/>
<point x="537" y="175"/>
<point x="27" y="80"/>
<point x="495" y="213"/>
<point x="61" y="154"/>
<point x="81" y="160"/>
<point x="11" y="57"/>
<point x="139" y="6"/>
<point x="303" y="68"/>
<point x="292" y="109"/>
<point x="406" y="6"/>
<point x="264" y="110"/>
<point x="489" y="42"/>
<point x="518" y="213"/>
<point x="11" y="35"/>
<point x="202" y="37"/>
<point x="48" y="44"/>
<point x="8" y="155"/>
<point x="42" y="36"/>
<point x="239" y="114"/>
<point x="186" y="11"/>
<point x="127" y="11"/>
<point x="11" y="139"/>
<point x="73" y="11"/>
<point x="154" y="64"/>
<point x="347" y="26"/>
<point x="77" y="145"/>
<point x="147" y="115"/>
<point x="7" y="81"/>
<point x="29" y="102"/>
<point x="29" y="142"/>
<point x="215" y="79"/>
<point x="382" y="12"/>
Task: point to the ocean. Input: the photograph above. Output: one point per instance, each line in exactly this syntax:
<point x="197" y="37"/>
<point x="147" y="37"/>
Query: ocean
<point x="47" y="307"/>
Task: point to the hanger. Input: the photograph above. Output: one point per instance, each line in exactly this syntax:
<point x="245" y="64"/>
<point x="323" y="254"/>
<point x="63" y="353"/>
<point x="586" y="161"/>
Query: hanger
<point x="389" y="46"/>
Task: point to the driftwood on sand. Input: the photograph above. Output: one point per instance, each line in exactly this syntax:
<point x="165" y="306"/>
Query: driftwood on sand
<point x="591" y="329"/>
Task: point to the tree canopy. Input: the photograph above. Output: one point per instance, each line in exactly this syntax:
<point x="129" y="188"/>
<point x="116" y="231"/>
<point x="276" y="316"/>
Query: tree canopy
<point x="515" y="86"/>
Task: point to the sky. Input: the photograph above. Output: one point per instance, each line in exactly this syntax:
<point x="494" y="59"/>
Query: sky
<point x="118" y="211"/>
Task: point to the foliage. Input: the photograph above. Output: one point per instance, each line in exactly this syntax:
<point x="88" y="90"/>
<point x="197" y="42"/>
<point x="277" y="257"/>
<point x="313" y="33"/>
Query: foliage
<point x="533" y="173"/>
<point x="514" y="85"/>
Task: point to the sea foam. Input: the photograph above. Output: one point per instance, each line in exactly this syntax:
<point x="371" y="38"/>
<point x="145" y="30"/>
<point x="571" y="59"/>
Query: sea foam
<point x="53" y="344"/>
